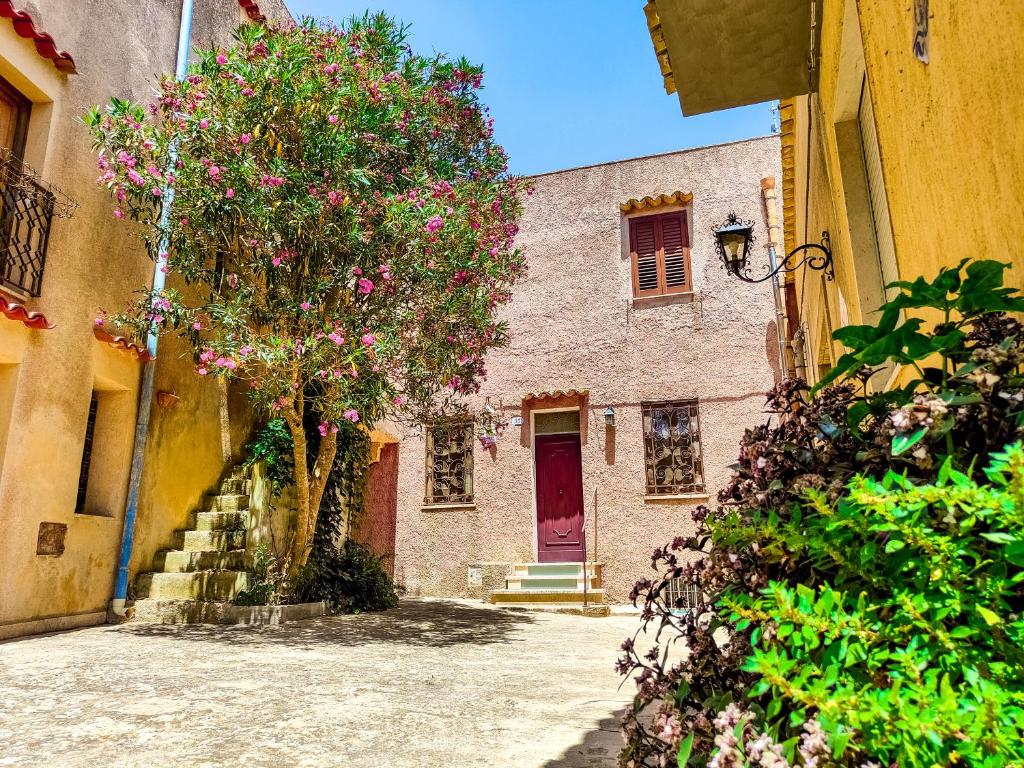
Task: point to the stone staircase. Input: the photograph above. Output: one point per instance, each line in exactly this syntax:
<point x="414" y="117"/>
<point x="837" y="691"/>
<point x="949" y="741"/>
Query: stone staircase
<point x="561" y="584"/>
<point x="205" y="570"/>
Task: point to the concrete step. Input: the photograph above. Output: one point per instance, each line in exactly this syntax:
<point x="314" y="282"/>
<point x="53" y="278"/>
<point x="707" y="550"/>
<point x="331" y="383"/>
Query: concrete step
<point x="219" y="521"/>
<point x="227" y="502"/>
<point x="197" y="585"/>
<point x="202" y="541"/>
<point x="546" y="596"/>
<point x="236" y="485"/>
<point x="554" y="569"/>
<point x="561" y="575"/>
<point x="160" y="611"/>
<point x="551" y="582"/>
<point x="176" y="561"/>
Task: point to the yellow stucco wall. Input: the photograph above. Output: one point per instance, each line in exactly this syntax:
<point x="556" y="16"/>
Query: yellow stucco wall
<point x="47" y="376"/>
<point x="950" y="135"/>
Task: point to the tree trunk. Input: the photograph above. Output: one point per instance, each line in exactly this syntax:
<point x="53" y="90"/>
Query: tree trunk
<point x="309" y="491"/>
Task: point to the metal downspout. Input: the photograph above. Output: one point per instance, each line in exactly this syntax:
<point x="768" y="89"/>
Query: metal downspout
<point x="149" y="367"/>
<point x="769" y="196"/>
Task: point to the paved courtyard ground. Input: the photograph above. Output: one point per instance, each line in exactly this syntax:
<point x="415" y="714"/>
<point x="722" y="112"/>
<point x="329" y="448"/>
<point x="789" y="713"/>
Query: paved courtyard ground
<point x="432" y="683"/>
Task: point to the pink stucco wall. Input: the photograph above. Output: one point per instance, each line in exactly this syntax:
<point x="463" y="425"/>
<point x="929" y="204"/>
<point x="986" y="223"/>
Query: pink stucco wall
<point x="574" y="324"/>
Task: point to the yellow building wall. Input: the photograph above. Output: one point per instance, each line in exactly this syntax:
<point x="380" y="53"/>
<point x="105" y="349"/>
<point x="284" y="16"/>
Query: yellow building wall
<point x="951" y="140"/>
<point x="47" y="377"/>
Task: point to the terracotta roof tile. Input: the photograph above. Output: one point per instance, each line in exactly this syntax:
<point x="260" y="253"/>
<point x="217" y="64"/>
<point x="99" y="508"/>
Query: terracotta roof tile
<point x="19" y="312"/>
<point x="25" y="26"/>
<point x="120" y="342"/>
<point x="642" y="204"/>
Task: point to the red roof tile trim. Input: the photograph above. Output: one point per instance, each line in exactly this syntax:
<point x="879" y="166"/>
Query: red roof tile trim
<point x="25" y="26"/>
<point x="252" y="10"/>
<point x="14" y="311"/>
<point x="120" y="342"/>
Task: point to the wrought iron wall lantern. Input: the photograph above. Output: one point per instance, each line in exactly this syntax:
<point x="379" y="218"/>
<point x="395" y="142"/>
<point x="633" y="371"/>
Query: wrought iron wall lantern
<point x="734" y="238"/>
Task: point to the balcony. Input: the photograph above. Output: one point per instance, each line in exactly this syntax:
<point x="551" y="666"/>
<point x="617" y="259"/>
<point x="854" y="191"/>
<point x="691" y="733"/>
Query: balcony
<point x="27" y="208"/>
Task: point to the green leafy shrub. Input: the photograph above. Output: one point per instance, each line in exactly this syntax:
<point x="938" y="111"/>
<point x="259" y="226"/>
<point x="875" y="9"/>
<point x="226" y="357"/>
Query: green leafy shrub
<point x="351" y="578"/>
<point x="265" y="579"/>
<point x="272" y="445"/>
<point x="862" y="570"/>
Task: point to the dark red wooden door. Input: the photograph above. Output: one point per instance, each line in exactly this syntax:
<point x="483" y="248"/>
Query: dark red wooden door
<point x="559" y="499"/>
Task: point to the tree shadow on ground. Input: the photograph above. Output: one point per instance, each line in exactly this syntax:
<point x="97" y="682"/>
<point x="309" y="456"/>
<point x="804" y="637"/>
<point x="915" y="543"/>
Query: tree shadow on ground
<point x="428" y="623"/>
<point x="599" y="747"/>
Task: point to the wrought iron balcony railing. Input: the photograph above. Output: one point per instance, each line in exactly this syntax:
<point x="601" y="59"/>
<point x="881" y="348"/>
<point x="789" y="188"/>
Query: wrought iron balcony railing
<point x="27" y="207"/>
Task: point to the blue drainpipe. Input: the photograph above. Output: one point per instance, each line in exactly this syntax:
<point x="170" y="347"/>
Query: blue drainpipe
<point x="149" y="367"/>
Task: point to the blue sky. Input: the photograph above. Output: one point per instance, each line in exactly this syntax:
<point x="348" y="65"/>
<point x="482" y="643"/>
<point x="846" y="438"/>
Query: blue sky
<point x="569" y="82"/>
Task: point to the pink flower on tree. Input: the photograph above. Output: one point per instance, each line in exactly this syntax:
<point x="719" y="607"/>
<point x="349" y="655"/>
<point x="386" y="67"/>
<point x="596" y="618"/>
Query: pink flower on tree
<point x="434" y="223"/>
<point x="351" y="414"/>
<point x="368" y="339"/>
<point x="364" y="285"/>
<point x="230" y="193"/>
<point x="306" y="306"/>
<point x="222" y="59"/>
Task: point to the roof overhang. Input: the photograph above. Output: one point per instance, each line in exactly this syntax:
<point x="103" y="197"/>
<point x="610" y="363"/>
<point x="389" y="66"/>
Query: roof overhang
<point x="717" y="55"/>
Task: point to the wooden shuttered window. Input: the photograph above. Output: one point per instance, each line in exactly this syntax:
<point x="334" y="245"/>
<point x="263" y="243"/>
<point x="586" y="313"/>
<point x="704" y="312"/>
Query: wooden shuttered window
<point x="660" y="253"/>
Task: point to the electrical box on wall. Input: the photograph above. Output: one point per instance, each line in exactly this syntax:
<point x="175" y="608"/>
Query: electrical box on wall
<point x="476" y="577"/>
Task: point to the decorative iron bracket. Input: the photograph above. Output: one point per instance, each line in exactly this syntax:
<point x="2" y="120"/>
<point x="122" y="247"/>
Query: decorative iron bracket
<point x="819" y="262"/>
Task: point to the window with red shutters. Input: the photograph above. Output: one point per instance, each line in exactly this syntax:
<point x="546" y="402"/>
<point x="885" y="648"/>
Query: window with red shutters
<point x="660" y="253"/>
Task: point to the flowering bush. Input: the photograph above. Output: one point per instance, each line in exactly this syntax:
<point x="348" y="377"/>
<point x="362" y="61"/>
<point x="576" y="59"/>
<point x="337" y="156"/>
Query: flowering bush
<point x="862" y="580"/>
<point x="342" y="226"/>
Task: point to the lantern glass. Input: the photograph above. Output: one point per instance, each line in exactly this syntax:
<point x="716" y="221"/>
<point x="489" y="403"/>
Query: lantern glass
<point x="734" y="243"/>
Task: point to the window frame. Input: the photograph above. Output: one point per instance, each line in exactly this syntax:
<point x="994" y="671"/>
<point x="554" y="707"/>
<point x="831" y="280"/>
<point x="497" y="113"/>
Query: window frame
<point x="662" y="289"/>
<point x="23" y="110"/>
<point x="430" y="497"/>
<point x="675" y="489"/>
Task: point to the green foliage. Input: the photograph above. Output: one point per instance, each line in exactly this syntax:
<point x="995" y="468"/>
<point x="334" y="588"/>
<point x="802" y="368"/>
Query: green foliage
<point x="273" y="446"/>
<point x="343" y="205"/>
<point x="351" y="578"/>
<point x="866" y="562"/>
<point x="265" y="579"/>
<point x="342" y="571"/>
<point x="914" y="644"/>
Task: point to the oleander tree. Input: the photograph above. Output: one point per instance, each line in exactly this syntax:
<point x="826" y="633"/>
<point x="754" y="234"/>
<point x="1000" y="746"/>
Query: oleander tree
<point x="341" y="230"/>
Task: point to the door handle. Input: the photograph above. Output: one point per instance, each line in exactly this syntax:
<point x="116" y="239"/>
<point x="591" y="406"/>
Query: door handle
<point x="562" y="535"/>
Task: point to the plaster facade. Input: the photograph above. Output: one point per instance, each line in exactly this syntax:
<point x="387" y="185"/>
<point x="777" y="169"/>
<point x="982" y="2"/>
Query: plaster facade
<point x="907" y="148"/>
<point x="949" y="135"/>
<point x="574" y="324"/>
<point x="49" y="376"/>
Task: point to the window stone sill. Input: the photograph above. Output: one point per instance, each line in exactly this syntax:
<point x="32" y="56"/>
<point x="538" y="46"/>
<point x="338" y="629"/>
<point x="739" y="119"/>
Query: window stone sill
<point x="675" y="497"/>
<point x="645" y="302"/>
<point x="461" y="506"/>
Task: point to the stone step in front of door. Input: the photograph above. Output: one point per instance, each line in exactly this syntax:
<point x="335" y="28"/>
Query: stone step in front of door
<point x="556" y="570"/>
<point x="551" y="582"/>
<point x="177" y="561"/>
<point x="546" y="596"/>
<point x="197" y="585"/>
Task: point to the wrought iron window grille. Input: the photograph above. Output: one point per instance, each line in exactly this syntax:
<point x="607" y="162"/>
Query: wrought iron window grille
<point x="682" y="597"/>
<point x="672" y="448"/>
<point x="449" y="469"/>
<point x="27" y="207"/>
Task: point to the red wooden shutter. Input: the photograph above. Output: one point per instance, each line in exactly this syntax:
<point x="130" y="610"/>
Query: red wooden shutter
<point x="674" y="253"/>
<point x="643" y="244"/>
